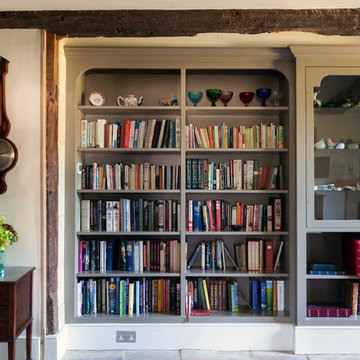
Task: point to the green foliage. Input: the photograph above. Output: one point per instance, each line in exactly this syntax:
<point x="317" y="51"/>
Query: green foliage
<point x="8" y="235"/>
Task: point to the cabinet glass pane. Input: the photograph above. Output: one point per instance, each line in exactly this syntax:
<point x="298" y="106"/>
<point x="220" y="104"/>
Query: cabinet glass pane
<point x="336" y="148"/>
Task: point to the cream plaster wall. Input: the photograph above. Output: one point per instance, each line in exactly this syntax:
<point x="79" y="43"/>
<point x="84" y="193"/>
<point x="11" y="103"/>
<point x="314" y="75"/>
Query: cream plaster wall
<point x="21" y="204"/>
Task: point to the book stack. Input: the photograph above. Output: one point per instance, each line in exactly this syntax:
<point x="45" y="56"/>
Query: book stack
<point x="219" y="215"/>
<point x="233" y="174"/>
<point x="121" y="176"/>
<point x="129" y="255"/>
<point x="213" y="255"/>
<point x="327" y="311"/>
<point x="267" y="295"/>
<point x="136" y="134"/>
<point x="130" y="215"/>
<point x="127" y="296"/>
<point x="261" y="136"/>
<point x="325" y="269"/>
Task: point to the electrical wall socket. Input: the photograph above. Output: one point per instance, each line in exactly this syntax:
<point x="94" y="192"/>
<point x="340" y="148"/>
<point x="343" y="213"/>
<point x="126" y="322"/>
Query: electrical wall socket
<point x="125" y="336"/>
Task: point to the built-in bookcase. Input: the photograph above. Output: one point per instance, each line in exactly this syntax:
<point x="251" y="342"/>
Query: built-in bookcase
<point x="156" y="78"/>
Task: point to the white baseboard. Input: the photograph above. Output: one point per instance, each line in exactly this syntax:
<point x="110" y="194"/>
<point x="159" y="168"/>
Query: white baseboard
<point x="327" y="340"/>
<point x="183" y="336"/>
<point x="56" y="345"/>
<point x="20" y="349"/>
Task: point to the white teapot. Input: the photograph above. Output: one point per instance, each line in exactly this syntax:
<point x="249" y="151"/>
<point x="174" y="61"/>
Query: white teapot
<point x="129" y="100"/>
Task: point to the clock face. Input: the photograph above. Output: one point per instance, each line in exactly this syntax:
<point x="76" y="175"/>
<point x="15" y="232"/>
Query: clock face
<point x="7" y="154"/>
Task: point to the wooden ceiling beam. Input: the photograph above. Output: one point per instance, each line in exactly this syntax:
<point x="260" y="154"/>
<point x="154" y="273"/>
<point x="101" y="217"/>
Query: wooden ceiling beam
<point x="154" y="23"/>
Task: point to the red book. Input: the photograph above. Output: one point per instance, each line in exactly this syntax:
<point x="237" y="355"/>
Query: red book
<point x="144" y="258"/>
<point x="351" y="254"/>
<point x="269" y="255"/>
<point x="127" y="133"/>
<point x="106" y="141"/>
<point x="199" y="312"/>
<point x="327" y="311"/>
<point x="260" y="178"/>
<point x="122" y="136"/>
<point x="218" y="215"/>
<point x="80" y="262"/>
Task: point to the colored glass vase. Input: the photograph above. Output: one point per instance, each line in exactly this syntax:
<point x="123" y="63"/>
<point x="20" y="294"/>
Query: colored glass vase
<point x="226" y="96"/>
<point x="246" y="97"/>
<point x="195" y="96"/>
<point x="213" y="95"/>
<point x="263" y="94"/>
<point x="2" y="263"/>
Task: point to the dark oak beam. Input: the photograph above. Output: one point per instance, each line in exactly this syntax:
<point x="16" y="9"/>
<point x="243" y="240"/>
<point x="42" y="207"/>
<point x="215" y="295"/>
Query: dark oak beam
<point x="52" y="180"/>
<point x="146" y="23"/>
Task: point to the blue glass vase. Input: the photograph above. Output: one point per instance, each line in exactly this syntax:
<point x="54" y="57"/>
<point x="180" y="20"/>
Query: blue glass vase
<point x="2" y="263"/>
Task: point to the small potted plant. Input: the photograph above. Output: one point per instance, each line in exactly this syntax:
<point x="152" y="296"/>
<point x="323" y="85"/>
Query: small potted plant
<point x="8" y="236"/>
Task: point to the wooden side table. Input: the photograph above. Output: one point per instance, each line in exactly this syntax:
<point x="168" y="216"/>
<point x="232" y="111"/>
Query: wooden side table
<point x="16" y="307"/>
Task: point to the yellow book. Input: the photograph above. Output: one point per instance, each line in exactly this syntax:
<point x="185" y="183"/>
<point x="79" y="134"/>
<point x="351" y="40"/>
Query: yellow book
<point x="159" y="295"/>
<point x="131" y="299"/>
<point x="206" y="294"/>
<point x="226" y="136"/>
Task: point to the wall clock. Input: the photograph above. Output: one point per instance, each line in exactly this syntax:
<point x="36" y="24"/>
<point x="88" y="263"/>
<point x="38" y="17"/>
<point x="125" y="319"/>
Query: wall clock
<point x="8" y="150"/>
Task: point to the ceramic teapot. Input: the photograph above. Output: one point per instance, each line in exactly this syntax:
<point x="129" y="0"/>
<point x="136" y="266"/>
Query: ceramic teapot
<point x="129" y="100"/>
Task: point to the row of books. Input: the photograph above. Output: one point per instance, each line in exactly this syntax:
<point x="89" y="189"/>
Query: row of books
<point x="251" y="256"/>
<point x="132" y="297"/>
<point x="130" y="215"/>
<point x="234" y="174"/>
<point x="135" y="134"/>
<point x="220" y="215"/>
<point x="261" y="136"/>
<point x="129" y="255"/>
<point x="121" y="176"/>
<point x="267" y="295"/>
<point x="225" y="295"/>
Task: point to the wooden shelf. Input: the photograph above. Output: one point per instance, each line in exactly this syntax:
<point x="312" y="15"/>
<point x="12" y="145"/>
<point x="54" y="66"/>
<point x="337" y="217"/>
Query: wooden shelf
<point x="232" y="274"/>
<point x="129" y="110"/>
<point x="235" y="233"/>
<point x="127" y="150"/>
<point x="90" y="191"/>
<point x="236" y="110"/>
<point x="200" y="191"/>
<point x="232" y="150"/>
<point x="116" y="273"/>
<point x="130" y="233"/>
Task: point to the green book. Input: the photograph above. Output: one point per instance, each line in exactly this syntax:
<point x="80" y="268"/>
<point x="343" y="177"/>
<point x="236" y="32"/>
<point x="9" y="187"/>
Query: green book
<point x="188" y="173"/>
<point x="269" y="295"/>
<point x="201" y="295"/>
<point x="121" y="300"/>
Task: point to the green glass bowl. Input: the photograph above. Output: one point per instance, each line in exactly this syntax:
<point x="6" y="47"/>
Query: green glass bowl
<point x="213" y="95"/>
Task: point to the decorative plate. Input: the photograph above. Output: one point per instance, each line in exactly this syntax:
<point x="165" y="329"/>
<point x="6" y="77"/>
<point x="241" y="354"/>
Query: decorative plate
<point x="97" y="98"/>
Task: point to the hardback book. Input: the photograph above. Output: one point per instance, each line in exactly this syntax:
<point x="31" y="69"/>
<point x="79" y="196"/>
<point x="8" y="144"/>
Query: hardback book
<point x="269" y="267"/>
<point x="351" y="295"/>
<point x="85" y="215"/>
<point x="327" y="311"/>
<point x="351" y="254"/>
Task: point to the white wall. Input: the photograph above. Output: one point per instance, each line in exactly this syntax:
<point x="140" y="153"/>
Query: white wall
<point x="21" y="204"/>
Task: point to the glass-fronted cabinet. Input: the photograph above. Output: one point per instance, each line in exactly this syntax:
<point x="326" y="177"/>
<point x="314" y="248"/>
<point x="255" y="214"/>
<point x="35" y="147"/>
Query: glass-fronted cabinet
<point x="333" y="141"/>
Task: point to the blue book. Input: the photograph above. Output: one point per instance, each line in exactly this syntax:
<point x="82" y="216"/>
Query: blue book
<point x="125" y="296"/>
<point x="197" y="215"/>
<point x="196" y="293"/>
<point x="324" y="267"/>
<point x="141" y="298"/>
<point x="112" y="296"/>
<point x="137" y="297"/>
<point x="137" y="223"/>
<point x="117" y="137"/>
<point x="129" y="255"/>
<point x="117" y="283"/>
<point x="232" y="299"/>
<point x="146" y="296"/>
<point x="263" y="295"/>
<point x="193" y="256"/>
<point x="254" y="294"/>
<point x="109" y="254"/>
<point x="136" y="137"/>
<point x="93" y="256"/>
